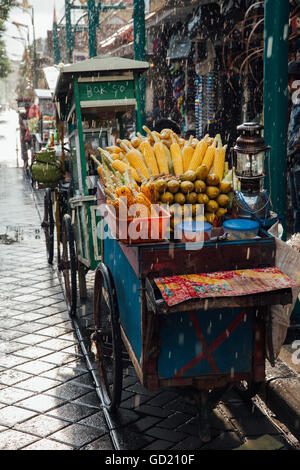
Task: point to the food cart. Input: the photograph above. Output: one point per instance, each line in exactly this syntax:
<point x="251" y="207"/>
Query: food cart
<point x="91" y="97"/>
<point x="191" y="315"/>
<point x="43" y="124"/>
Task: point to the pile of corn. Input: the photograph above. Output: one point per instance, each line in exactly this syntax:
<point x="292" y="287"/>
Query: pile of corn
<point x="166" y="168"/>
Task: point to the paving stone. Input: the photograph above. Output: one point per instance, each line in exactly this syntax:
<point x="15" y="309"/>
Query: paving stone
<point x="104" y="443"/>
<point x="166" y="434"/>
<point x="41" y="403"/>
<point x="226" y="441"/>
<point x="38" y="384"/>
<point x="190" y="443"/>
<point x="159" y="445"/>
<point x="41" y="426"/>
<point x="173" y="421"/>
<point x="89" y="399"/>
<point x="15" y="440"/>
<point x="129" y="440"/>
<point x="95" y="420"/>
<point x="35" y="367"/>
<point x="33" y="352"/>
<point x="144" y="423"/>
<point x="30" y="339"/>
<point x="123" y="418"/>
<point x="11" y="415"/>
<point x="152" y="411"/>
<point x="77" y="435"/>
<point x="12" y="377"/>
<point x="68" y="391"/>
<point x="71" y="412"/>
<point x="9" y="360"/>
<point x="11" y="395"/>
<point x="135" y="401"/>
<point x="47" y="444"/>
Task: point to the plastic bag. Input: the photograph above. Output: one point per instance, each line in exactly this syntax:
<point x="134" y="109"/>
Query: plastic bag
<point x="287" y="259"/>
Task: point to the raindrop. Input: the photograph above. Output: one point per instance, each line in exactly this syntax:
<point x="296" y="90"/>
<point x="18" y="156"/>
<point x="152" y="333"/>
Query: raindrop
<point x="198" y="348"/>
<point x="170" y="354"/>
<point x="181" y="339"/>
<point x="137" y="401"/>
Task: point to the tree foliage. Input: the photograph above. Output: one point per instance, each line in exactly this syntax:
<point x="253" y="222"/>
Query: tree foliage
<point x="5" y="6"/>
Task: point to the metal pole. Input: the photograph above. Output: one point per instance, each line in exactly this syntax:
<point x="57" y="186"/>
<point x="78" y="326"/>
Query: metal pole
<point x="69" y="39"/>
<point x="56" y="48"/>
<point x="92" y="17"/>
<point x="276" y="100"/>
<point x="139" y="41"/>
<point x="35" y="81"/>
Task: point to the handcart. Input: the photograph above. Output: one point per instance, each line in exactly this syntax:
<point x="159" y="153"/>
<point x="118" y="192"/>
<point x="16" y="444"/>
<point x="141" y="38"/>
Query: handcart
<point x="202" y="346"/>
<point x="91" y="98"/>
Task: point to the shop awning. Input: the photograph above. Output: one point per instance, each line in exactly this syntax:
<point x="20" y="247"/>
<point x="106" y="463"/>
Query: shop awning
<point x="179" y="47"/>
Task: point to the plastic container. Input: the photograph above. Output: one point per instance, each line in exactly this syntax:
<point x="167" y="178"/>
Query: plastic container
<point x="241" y="229"/>
<point x="194" y="231"/>
<point x="138" y="230"/>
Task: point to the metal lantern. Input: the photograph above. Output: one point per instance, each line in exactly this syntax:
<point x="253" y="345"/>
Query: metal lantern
<point x="250" y="155"/>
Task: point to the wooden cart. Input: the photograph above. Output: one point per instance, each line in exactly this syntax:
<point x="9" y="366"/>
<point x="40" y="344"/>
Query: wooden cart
<point x="201" y="347"/>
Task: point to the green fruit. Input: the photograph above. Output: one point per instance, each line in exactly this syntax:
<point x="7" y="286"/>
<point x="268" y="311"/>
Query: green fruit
<point x="191" y="198"/>
<point x="212" y="192"/>
<point x="200" y="186"/>
<point x="202" y="172"/>
<point x="223" y="200"/>
<point x="187" y="187"/>
<point x="179" y="198"/>
<point x="212" y="206"/>
<point x="167" y="198"/>
<point x="189" y="175"/>
<point x="173" y="186"/>
<point x="161" y="185"/>
<point x="202" y="198"/>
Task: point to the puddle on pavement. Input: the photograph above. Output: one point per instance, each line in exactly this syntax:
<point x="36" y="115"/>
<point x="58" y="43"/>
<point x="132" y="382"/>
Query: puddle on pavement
<point x="17" y="234"/>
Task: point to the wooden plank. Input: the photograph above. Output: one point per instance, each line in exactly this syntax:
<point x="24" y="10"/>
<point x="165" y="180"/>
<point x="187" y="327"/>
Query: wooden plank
<point x="164" y="262"/>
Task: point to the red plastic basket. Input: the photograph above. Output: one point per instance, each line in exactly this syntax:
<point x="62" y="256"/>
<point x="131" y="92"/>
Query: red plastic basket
<point x="138" y="230"/>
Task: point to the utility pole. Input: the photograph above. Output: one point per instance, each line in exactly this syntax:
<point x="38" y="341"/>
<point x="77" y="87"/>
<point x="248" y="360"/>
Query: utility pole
<point x="69" y="33"/>
<point x="276" y="99"/>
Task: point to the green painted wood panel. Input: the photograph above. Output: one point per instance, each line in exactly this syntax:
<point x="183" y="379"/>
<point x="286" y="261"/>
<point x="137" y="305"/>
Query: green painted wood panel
<point x="114" y="90"/>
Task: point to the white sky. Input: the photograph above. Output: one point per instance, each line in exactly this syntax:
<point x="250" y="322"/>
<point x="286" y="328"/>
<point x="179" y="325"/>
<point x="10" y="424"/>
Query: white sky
<point x="43" y="19"/>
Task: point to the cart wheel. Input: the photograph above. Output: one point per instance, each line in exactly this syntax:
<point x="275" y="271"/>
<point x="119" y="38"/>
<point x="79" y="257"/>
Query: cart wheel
<point x="107" y="338"/>
<point x="48" y="225"/>
<point x="68" y="264"/>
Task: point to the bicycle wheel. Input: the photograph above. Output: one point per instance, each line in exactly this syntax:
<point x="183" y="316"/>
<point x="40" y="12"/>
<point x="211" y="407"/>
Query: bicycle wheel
<point x="48" y="225"/>
<point x="68" y="265"/>
<point x="107" y="338"/>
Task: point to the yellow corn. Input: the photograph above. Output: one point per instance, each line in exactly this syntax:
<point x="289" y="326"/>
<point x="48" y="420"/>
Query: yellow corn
<point x="176" y="155"/>
<point x="114" y="149"/>
<point x="199" y="154"/>
<point x="219" y="161"/>
<point x="121" y="166"/>
<point x="137" y="162"/>
<point x="161" y="157"/>
<point x="209" y="155"/>
<point x="149" y="157"/>
<point x="159" y="150"/>
<point x="187" y="154"/>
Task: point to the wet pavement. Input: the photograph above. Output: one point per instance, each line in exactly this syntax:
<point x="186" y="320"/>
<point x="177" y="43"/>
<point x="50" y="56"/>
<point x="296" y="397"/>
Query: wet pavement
<point x="48" y="378"/>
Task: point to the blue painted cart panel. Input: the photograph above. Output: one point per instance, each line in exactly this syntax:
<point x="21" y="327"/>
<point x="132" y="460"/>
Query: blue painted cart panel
<point x="206" y="342"/>
<point x="128" y="294"/>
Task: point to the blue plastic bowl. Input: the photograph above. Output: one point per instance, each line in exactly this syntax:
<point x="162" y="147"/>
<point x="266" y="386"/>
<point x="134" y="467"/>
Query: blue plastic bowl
<point x="241" y="229"/>
<point x="200" y="230"/>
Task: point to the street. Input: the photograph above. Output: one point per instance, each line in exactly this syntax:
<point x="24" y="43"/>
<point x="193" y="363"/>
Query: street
<point x="48" y="391"/>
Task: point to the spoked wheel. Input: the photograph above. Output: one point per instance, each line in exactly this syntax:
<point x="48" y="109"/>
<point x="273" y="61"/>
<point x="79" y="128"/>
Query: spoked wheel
<point x="68" y="264"/>
<point x="107" y="338"/>
<point x="48" y="225"/>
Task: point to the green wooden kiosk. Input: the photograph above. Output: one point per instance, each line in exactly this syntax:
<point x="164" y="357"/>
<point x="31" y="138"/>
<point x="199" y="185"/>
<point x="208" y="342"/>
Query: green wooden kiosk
<point x="92" y="97"/>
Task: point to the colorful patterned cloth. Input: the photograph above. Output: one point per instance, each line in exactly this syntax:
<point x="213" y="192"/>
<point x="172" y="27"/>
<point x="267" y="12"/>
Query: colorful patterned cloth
<point x="177" y="289"/>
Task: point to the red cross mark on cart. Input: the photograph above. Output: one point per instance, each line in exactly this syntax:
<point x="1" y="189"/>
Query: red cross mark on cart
<point x="207" y="352"/>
